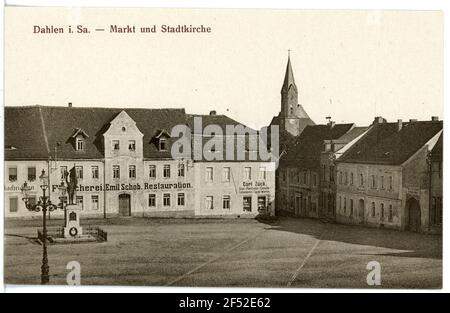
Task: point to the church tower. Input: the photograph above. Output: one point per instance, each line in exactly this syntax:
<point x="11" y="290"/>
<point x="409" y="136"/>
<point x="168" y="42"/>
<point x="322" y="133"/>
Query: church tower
<point x="292" y="118"/>
<point x="289" y="94"/>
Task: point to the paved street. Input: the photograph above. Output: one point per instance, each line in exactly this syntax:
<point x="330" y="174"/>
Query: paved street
<point x="230" y="253"/>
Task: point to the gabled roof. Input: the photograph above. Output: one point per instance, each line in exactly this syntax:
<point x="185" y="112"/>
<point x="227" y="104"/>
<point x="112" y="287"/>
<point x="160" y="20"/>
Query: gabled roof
<point x="306" y="151"/>
<point x="36" y="131"/>
<point x="385" y="144"/>
<point x="79" y="131"/>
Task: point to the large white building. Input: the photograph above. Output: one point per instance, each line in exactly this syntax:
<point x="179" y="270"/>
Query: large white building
<point x="124" y="164"/>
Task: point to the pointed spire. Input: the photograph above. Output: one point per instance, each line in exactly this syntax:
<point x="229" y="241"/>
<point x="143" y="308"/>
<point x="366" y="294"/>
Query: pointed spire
<point x="289" y="76"/>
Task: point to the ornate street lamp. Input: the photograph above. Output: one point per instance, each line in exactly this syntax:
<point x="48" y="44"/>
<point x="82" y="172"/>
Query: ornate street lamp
<point x="44" y="204"/>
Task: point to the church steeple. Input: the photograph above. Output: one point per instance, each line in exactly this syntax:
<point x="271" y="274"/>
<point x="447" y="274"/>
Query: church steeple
<point x="289" y="93"/>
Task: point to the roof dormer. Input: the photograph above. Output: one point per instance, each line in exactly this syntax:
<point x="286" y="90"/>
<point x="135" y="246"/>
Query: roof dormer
<point x="161" y="140"/>
<point x="78" y="139"/>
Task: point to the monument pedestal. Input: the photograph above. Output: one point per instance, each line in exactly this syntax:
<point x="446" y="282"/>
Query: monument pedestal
<point x="72" y="228"/>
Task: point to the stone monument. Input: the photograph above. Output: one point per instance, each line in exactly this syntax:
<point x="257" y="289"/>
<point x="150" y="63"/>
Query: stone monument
<point x="72" y="228"/>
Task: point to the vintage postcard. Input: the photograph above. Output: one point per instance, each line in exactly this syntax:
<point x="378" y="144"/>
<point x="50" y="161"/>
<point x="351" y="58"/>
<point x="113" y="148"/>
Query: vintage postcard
<point x="223" y="148"/>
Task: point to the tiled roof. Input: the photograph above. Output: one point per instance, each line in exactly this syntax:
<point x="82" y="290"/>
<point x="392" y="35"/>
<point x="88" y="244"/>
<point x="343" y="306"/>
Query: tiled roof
<point x="386" y="144"/>
<point x="217" y="119"/>
<point x="306" y="151"/>
<point x="40" y="132"/>
<point x="24" y="130"/>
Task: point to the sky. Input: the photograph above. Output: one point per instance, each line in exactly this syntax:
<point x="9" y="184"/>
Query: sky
<point x="350" y="65"/>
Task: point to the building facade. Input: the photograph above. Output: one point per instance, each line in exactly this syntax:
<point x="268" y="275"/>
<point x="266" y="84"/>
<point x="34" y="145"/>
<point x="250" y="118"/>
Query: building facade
<point x="124" y="165"/>
<point x="390" y="179"/>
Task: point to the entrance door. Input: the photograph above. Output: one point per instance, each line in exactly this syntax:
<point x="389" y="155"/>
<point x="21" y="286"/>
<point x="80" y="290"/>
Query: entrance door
<point x="414" y="215"/>
<point x="125" y="205"/>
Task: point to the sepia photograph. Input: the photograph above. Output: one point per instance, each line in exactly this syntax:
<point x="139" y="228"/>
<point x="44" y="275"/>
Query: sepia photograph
<point x="244" y="148"/>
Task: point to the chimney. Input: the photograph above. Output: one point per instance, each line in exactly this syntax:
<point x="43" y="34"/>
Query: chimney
<point x="413" y="120"/>
<point x="331" y="124"/>
<point x="70" y="104"/>
<point x="435" y="118"/>
<point x="399" y="125"/>
<point x="378" y="120"/>
<point x="212" y="113"/>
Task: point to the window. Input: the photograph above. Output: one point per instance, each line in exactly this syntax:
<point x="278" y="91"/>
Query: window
<point x="181" y="199"/>
<point x="13" y="205"/>
<point x="152" y="171"/>
<point x="340" y="178"/>
<point x="166" y="171"/>
<point x="116" y="171"/>
<point x="132" y="171"/>
<point x="345" y="205"/>
<point x="116" y="145"/>
<point x="340" y="203"/>
<point x="262" y="173"/>
<point x="332" y="173"/>
<point x="226" y="202"/>
<point x="79" y="144"/>
<point x="346" y="178"/>
<point x="12" y="174"/>
<point x="31" y="173"/>
<point x="94" y="201"/>
<point x="262" y="203"/>
<point x="391" y="213"/>
<point x="382" y="211"/>
<point x="166" y="199"/>
<point x="247" y="173"/>
<point x="209" y="203"/>
<point x="162" y="144"/>
<point x="94" y="170"/>
<point x="314" y="180"/>
<point x="226" y="174"/>
<point x="209" y="174"/>
<point x="324" y="172"/>
<point x="152" y="200"/>
<point x="247" y="204"/>
<point x="436" y="211"/>
<point x="351" y="207"/>
<point x="374" y="181"/>
<point x="382" y="182"/>
<point x="391" y="182"/>
<point x="373" y="210"/>
<point x="79" y="201"/>
<point x="181" y="170"/>
<point x="361" y="180"/>
<point x="284" y="175"/>
<point x="305" y="177"/>
<point x="63" y="171"/>
<point x="351" y="179"/>
<point x="79" y="172"/>
<point x="132" y="145"/>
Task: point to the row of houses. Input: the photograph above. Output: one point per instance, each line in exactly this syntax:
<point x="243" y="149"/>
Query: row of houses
<point x="124" y="164"/>
<point x="387" y="174"/>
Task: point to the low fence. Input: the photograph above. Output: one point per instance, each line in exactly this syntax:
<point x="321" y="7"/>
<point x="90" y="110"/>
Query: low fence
<point x="97" y="232"/>
<point x="58" y="232"/>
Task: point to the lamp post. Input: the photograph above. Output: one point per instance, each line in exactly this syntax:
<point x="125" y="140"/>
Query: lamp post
<point x="62" y="197"/>
<point x="44" y="204"/>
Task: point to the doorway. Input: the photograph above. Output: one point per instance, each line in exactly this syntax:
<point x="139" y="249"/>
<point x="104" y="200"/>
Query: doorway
<point x="361" y="210"/>
<point x="414" y="218"/>
<point x="125" y="205"/>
